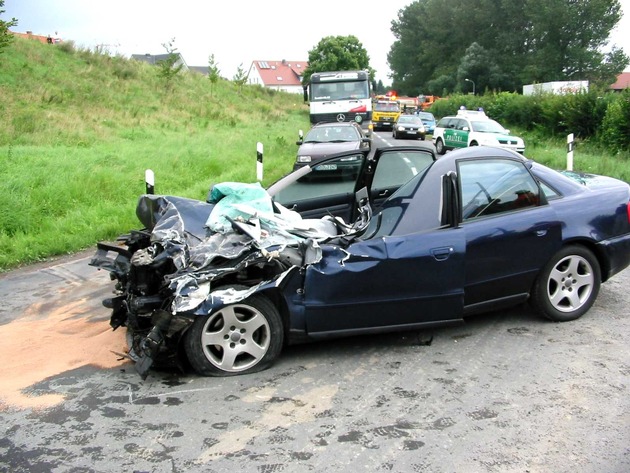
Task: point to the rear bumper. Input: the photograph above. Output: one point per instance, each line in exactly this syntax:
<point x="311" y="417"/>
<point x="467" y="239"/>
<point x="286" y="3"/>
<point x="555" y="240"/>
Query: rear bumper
<point x="617" y="253"/>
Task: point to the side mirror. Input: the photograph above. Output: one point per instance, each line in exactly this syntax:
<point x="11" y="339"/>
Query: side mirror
<point x="300" y="138"/>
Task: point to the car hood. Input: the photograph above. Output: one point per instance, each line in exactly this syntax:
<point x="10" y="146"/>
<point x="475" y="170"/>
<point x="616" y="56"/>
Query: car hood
<point x="239" y="226"/>
<point x="322" y="150"/>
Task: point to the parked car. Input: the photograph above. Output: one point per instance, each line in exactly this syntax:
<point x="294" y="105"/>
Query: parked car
<point x="428" y="120"/>
<point x="473" y="128"/>
<point x="409" y="126"/>
<point x="328" y="138"/>
<point x="414" y="242"/>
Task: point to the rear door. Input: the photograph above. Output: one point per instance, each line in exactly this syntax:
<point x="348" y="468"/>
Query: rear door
<point x="458" y="137"/>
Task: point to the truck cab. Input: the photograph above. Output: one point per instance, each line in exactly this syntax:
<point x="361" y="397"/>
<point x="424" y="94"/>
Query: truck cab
<point x="384" y="114"/>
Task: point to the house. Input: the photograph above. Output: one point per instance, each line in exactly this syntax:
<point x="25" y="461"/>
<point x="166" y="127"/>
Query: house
<point x="279" y="75"/>
<point x="556" y="87"/>
<point x="623" y="82"/>
<point x="42" y="39"/>
<point x="153" y="59"/>
<point x="199" y="69"/>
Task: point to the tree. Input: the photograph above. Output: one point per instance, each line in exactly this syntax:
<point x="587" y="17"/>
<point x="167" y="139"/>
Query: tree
<point x="337" y="53"/>
<point x="525" y="40"/>
<point x="5" y="36"/>
<point x="478" y="65"/>
<point x="168" y="68"/>
<point x="240" y="77"/>
<point x="213" y="71"/>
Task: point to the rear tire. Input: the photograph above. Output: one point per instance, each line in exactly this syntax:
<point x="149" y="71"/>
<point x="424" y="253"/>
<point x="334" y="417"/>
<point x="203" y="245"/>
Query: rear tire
<point x="239" y="338"/>
<point x="439" y="146"/>
<point x="568" y="285"/>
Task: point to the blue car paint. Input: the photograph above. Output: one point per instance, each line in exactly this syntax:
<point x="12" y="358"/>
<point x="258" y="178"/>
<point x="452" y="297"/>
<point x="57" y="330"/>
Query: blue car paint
<point x="410" y="269"/>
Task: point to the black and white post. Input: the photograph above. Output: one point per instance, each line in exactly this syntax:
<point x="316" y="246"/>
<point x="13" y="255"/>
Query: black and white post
<point x="570" y="146"/>
<point x="149" y="181"/>
<point x="259" y="161"/>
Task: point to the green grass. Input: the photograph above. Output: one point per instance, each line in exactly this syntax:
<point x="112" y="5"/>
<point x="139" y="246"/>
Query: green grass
<point x="78" y="129"/>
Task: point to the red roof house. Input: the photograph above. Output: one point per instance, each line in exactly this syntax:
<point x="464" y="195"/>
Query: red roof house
<point x="42" y="39"/>
<point x="279" y="75"/>
<point x="623" y="82"/>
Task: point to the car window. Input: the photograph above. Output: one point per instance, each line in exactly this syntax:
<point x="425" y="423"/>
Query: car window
<point x="332" y="133"/>
<point x="409" y="119"/>
<point x="396" y="168"/>
<point x="461" y="124"/>
<point x="550" y="193"/>
<point x="495" y="186"/>
<point x="445" y="123"/>
<point x="335" y="177"/>
<point x="487" y="126"/>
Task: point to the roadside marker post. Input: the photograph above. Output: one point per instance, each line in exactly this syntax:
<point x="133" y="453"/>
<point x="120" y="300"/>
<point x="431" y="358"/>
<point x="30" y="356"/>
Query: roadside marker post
<point x="149" y="181"/>
<point x="259" y="161"/>
<point x="570" y="147"/>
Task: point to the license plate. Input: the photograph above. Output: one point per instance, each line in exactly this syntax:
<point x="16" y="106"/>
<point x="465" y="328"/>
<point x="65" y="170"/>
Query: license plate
<point x="411" y="132"/>
<point x="326" y="167"/>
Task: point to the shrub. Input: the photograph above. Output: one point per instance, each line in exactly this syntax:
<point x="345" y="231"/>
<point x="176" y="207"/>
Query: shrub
<point x="615" y="128"/>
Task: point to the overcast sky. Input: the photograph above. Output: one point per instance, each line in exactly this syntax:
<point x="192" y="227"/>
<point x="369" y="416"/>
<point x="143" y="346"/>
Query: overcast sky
<point x="236" y="32"/>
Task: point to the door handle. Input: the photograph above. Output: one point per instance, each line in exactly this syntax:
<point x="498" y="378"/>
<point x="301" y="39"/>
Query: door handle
<point x="442" y="254"/>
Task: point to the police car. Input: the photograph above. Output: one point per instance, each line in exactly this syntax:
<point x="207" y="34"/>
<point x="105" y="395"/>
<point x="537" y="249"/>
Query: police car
<point x="473" y="128"/>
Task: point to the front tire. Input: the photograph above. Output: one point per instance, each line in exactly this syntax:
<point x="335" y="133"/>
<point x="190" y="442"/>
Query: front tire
<point x="240" y="338"/>
<point x="568" y="285"/>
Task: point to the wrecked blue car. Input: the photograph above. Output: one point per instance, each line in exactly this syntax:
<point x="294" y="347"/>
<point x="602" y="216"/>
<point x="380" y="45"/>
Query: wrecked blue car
<point x="404" y="242"/>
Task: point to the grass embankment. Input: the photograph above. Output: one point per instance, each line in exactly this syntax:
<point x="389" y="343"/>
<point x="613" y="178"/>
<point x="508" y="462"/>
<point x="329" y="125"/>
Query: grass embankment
<point x="78" y="129"/>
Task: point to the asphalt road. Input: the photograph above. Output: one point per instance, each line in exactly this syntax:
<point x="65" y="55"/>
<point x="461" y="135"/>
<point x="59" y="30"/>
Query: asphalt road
<point x="507" y="392"/>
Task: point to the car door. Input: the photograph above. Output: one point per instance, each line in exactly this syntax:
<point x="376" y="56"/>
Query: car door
<point x="511" y="231"/>
<point x="398" y="282"/>
<point x="330" y="188"/>
<point x="402" y="273"/>
<point x="460" y="134"/>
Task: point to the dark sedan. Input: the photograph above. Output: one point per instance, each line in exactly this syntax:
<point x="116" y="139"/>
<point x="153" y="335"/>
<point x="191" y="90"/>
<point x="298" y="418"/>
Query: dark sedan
<point x="409" y="126"/>
<point x="412" y="243"/>
<point x="327" y="139"/>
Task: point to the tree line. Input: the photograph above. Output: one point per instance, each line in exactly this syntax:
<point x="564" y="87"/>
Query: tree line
<point x="500" y="45"/>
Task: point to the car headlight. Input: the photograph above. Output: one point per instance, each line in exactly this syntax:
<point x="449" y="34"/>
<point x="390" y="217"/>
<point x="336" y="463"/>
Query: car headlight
<point x="401" y="128"/>
<point x="303" y="159"/>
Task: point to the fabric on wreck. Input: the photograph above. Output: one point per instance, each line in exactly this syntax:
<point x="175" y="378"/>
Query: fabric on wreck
<point x="226" y="195"/>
